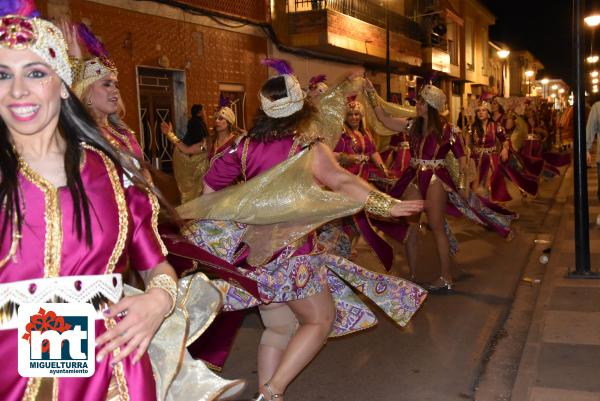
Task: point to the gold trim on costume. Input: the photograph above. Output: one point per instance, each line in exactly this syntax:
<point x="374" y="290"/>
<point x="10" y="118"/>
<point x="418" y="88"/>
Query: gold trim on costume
<point x="13" y="245"/>
<point x="122" y="137"/>
<point x="52" y="216"/>
<point x="55" y="389"/>
<point x="154" y="222"/>
<point x="32" y="389"/>
<point x="245" y="158"/>
<point x="121" y="207"/>
<point x="118" y="373"/>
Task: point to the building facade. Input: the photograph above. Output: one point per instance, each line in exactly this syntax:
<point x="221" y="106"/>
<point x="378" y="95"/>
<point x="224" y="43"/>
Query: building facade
<point x="172" y="57"/>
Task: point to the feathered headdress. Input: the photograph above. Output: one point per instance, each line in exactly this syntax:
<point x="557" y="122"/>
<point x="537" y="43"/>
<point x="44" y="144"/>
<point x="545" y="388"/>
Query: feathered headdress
<point x="21" y="29"/>
<point x="97" y="67"/>
<point x="24" y="8"/>
<point x="354" y="105"/>
<point x="317" y="79"/>
<point x="224" y="110"/>
<point x="281" y="66"/>
<point x="293" y="102"/>
<point x="317" y="84"/>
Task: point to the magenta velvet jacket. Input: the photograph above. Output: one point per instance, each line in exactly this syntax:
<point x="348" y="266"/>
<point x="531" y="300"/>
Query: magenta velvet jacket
<point x="356" y="143"/>
<point x="123" y="224"/>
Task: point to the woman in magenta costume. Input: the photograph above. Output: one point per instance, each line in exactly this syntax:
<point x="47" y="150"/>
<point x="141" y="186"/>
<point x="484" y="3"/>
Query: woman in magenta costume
<point x="72" y="206"/>
<point x="226" y="133"/>
<point x="429" y="178"/>
<point x="284" y="165"/>
<point x="535" y="159"/>
<point x="96" y="84"/>
<point x="356" y="149"/>
<point x="356" y="152"/>
<point x="490" y="151"/>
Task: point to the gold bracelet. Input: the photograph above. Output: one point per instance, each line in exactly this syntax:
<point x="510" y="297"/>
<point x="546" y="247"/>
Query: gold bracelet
<point x="380" y="204"/>
<point x="462" y="181"/>
<point x="173" y="138"/>
<point x="165" y="283"/>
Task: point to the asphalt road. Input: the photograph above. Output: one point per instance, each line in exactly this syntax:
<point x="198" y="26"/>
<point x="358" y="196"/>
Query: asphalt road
<point x="438" y="356"/>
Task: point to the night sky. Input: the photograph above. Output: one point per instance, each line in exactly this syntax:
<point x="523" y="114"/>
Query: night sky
<point x="541" y="26"/>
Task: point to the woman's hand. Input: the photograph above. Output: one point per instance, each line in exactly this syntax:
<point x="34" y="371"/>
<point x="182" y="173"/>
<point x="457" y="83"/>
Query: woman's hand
<point x="504" y="155"/>
<point x="406" y="208"/>
<point x="143" y="316"/>
<point x="166" y="127"/>
<point x="69" y="31"/>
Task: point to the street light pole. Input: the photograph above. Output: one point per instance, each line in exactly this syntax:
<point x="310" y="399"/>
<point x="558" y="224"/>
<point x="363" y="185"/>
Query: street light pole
<point x="580" y="190"/>
<point x="388" y="66"/>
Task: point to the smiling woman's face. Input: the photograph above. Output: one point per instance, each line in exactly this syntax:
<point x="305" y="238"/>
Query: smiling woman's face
<point x="30" y="92"/>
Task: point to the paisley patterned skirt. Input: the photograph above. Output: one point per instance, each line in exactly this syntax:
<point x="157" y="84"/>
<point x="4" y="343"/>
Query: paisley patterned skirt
<point x="290" y="277"/>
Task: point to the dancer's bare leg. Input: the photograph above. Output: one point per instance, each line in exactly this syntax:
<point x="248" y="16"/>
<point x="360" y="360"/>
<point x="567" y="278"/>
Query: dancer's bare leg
<point x="435" y="207"/>
<point x="280" y="325"/>
<point x="411" y="245"/>
<point x="316" y="315"/>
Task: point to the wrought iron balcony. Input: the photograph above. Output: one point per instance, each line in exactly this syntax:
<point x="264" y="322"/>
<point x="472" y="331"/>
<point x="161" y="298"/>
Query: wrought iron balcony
<point x="365" y="11"/>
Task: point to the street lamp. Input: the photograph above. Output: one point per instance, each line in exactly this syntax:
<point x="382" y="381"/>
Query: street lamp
<point x="528" y="76"/>
<point x="545" y="85"/>
<point x="592" y="59"/>
<point x="592" y="20"/>
<point x="503" y="53"/>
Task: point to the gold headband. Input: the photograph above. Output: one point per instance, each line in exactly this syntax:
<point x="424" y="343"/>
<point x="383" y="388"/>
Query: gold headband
<point x="41" y="37"/>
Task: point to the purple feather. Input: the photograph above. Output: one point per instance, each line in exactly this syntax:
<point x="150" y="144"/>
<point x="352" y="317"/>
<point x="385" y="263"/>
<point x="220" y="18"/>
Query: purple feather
<point x="25" y="8"/>
<point x="223" y="102"/>
<point x="317" y="79"/>
<point x="281" y="66"/>
<point x="91" y="42"/>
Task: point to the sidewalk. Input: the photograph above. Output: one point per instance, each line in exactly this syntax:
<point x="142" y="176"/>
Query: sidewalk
<point x="561" y="356"/>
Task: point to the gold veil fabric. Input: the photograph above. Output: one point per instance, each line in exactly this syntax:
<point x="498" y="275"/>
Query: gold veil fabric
<point x="178" y="376"/>
<point x="189" y="171"/>
<point x="279" y="206"/>
<point x="285" y="203"/>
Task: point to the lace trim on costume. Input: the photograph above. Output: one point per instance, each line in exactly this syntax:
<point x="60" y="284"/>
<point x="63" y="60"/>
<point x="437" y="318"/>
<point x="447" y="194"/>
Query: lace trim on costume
<point x="98" y="290"/>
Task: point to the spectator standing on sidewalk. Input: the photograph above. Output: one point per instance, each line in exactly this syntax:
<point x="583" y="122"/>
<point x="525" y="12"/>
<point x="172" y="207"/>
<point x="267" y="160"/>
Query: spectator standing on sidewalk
<point x="592" y="131"/>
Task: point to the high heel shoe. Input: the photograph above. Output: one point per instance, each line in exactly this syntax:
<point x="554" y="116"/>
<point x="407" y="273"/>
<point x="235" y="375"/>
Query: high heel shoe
<point x="272" y="395"/>
<point x="445" y="287"/>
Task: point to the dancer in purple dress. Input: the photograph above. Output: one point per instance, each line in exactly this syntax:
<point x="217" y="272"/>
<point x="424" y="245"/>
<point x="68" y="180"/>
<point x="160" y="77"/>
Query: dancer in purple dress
<point x="429" y="177"/>
<point x="266" y="227"/>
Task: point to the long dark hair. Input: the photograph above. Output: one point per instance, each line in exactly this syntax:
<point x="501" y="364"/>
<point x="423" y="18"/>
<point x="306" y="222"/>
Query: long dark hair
<point x="477" y="126"/>
<point x="267" y="129"/>
<point x="76" y="126"/>
<point x="434" y="124"/>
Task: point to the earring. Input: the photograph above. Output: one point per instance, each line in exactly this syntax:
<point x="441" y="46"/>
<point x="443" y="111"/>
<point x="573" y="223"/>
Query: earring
<point x="89" y="102"/>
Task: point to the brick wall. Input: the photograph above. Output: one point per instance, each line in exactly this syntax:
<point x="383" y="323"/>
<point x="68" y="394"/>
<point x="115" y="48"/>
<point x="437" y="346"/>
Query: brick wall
<point x="347" y="26"/>
<point x="215" y="55"/>
<point x="252" y="9"/>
